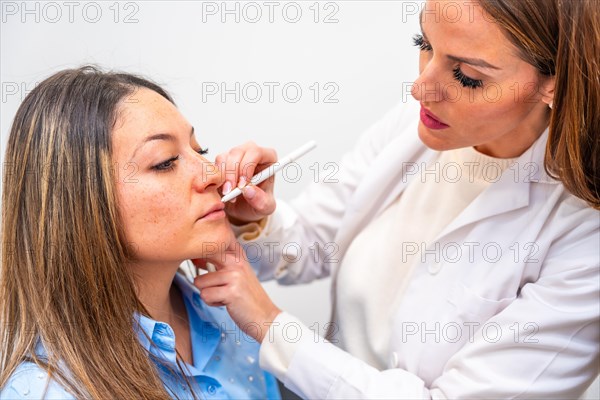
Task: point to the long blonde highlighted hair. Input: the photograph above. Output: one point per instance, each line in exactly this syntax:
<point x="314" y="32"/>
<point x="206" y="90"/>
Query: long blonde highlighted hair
<point x="63" y="276"/>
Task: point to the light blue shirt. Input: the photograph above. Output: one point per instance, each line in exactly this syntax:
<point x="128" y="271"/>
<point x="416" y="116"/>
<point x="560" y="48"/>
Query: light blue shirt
<point x="225" y="359"/>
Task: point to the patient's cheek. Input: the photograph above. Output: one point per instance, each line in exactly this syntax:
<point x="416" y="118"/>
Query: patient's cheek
<point x="152" y="207"/>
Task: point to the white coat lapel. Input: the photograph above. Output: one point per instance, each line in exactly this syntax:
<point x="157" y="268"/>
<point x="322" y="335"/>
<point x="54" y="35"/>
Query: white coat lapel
<point x="511" y="192"/>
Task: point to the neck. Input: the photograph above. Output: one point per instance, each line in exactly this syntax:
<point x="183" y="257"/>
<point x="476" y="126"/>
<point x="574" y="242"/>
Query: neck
<point x="155" y="289"/>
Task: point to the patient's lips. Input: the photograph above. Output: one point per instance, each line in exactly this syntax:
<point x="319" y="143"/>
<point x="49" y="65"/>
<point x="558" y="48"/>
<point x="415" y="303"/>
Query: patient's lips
<point x="214" y="212"/>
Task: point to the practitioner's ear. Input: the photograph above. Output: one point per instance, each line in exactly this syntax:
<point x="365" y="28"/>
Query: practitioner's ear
<point x="547" y="85"/>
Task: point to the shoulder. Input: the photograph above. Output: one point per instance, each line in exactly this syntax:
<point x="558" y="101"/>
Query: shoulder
<point x="29" y="381"/>
<point x="573" y="220"/>
<point x="576" y="231"/>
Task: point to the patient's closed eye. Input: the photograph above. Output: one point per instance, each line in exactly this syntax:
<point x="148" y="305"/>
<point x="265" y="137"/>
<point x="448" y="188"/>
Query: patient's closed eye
<point x="167" y="165"/>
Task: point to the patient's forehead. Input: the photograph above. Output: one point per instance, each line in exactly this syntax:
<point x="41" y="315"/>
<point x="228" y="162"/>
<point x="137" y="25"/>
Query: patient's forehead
<point x="145" y="107"/>
<point x="145" y="112"/>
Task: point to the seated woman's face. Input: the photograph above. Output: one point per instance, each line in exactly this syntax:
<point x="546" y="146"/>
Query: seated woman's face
<point x="167" y="191"/>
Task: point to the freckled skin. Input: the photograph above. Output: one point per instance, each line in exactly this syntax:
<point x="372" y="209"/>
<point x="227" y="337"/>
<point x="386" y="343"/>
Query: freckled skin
<point x="506" y="115"/>
<point x="160" y="209"/>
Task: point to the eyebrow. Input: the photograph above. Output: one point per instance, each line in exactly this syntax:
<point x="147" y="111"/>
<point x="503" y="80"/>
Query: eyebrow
<point x="477" y="62"/>
<point x="158" y="136"/>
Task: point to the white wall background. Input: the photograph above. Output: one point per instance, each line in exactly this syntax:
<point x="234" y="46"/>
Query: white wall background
<point x="357" y="52"/>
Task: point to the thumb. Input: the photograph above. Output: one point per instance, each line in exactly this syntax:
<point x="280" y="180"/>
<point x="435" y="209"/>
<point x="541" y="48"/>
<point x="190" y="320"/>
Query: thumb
<point x="235" y="250"/>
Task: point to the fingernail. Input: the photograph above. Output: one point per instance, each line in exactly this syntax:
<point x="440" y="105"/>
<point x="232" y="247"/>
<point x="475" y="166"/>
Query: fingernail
<point x="242" y="182"/>
<point x="226" y="187"/>
<point x="249" y="192"/>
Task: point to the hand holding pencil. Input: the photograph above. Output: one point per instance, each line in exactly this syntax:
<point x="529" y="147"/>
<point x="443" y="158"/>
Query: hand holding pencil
<point x="247" y="169"/>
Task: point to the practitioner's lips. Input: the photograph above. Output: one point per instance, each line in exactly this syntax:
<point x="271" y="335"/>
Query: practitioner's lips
<point x="430" y="120"/>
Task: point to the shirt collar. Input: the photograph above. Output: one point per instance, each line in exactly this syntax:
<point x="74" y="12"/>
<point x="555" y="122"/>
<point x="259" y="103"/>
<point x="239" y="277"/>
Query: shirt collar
<point x="204" y="327"/>
<point x="205" y="324"/>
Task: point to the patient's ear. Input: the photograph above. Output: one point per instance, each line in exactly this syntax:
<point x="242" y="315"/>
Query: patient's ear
<point x="546" y="88"/>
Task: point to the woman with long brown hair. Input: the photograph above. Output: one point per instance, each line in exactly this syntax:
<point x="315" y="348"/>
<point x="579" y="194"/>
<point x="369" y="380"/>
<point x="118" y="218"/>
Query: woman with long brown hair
<point x="462" y="235"/>
<point x="106" y="192"/>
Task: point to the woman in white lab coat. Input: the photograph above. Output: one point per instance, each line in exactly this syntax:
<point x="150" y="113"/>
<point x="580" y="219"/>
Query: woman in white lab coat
<point x="464" y="261"/>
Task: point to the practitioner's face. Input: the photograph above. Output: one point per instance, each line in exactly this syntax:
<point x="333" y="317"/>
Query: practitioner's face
<point x="472" y="79"/>
<point x="167" y="190"/>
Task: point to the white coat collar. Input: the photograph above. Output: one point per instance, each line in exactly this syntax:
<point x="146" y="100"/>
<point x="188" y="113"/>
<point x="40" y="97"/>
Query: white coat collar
<point x="391" y="174"/>
<point x="511" y="192"/>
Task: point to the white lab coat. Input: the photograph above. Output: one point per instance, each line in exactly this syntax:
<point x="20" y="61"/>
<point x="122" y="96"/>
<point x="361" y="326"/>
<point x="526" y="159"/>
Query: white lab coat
<point x="509" y="309"/>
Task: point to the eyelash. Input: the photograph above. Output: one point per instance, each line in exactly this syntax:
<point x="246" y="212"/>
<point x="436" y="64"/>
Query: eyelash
<point x="168" y="165"/>
<point x="465" y="81"/>
<point x="419" y="41"/>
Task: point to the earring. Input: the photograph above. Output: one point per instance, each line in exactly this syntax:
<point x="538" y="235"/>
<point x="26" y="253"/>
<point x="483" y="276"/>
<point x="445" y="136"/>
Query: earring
<point x="550" y="105"/>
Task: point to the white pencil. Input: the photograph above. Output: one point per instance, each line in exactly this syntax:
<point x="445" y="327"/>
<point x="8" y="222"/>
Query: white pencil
<point x="272" y="169"/>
